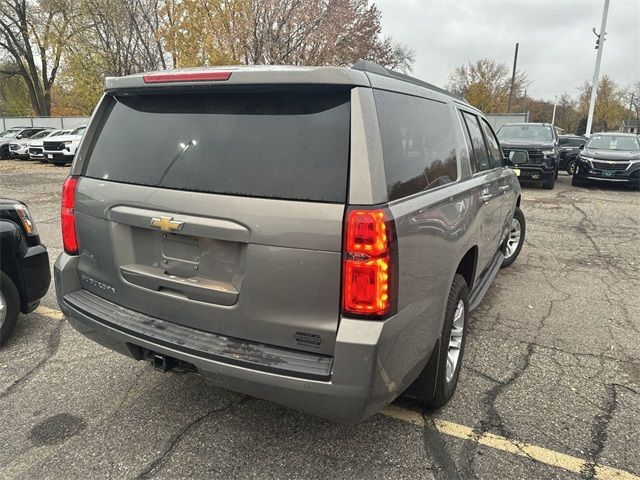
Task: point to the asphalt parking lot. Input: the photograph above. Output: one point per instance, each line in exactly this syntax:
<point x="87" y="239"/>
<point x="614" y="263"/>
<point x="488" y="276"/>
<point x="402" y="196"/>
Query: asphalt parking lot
<point x="550" y="386"/>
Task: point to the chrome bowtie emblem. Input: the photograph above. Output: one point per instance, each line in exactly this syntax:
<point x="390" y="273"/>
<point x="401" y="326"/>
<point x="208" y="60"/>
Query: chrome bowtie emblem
<point x="166" y="224"/>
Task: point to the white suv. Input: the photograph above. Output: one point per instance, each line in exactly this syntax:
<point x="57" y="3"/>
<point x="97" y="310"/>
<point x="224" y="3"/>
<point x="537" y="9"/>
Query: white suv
<point x="62" y="149"/>
<point x="36" y="149"/>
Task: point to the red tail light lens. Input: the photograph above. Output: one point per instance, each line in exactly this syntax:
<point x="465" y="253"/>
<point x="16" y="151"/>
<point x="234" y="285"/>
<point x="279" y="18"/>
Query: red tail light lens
<point x="186" y="77"/>
<point x="68" y="217"/>
<point x="367" y="264"/>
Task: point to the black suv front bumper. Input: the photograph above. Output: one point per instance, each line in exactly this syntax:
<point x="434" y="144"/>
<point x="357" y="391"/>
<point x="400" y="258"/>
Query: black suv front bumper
<point x="588" y="171"/>
<point x="535" y="173"/>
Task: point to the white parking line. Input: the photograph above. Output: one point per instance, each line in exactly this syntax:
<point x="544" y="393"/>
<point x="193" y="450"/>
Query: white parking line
<point x="515" y="447"/>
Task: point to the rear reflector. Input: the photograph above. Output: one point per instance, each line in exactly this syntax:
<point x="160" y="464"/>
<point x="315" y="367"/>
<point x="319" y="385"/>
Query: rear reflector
<point x="68" y="217"/>
<point x="367" y="272"/>
<point x="215" y="76"/>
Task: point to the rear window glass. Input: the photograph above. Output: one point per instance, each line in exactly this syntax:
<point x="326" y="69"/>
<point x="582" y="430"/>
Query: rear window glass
<point x="418" y="145"/>
<point x="285" y="145"/>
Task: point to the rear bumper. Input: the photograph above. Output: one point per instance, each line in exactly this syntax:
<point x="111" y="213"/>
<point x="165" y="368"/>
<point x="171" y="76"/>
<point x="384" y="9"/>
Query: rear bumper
<point x="373" y="361"/>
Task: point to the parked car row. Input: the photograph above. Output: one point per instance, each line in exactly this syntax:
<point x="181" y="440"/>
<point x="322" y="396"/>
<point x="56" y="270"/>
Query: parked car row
<point x="537" y="153"/>
<point x="41" y="143"/>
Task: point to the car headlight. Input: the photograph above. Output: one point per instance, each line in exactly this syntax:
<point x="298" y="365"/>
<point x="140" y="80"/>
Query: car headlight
<point x="548" y="152"/>
<point x="68" y="142"/>
<point x="25" y="218"/>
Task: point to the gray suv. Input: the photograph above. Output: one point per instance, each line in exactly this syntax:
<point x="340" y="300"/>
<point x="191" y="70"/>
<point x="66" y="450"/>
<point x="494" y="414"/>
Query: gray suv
<point x="312" y="236"/>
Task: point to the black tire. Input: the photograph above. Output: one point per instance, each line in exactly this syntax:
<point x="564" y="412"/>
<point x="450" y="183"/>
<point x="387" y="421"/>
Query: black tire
<point x="11" y="301"/>
<point x="4" y="153"/>
<point x="549" y="184"/>
<point x="518" y="216"/>
<point x="571" y="167"/>
<point x="437" y="394"/>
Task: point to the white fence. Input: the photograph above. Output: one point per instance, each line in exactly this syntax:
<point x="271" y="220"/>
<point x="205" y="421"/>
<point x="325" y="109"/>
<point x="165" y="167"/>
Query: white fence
<point x="53" y="122"/>
<point x="499" y="119"/>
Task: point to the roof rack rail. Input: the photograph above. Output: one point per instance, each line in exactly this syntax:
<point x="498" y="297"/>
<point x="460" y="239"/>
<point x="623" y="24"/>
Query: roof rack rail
<point x="372" y="67"/>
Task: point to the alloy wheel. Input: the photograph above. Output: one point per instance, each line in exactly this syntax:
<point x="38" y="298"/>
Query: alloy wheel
<point x="455" y="341"/>
<point x="514" y="238"/>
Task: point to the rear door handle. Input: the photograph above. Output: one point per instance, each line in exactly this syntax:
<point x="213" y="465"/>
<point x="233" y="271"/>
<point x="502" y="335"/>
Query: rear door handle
<point x="505" y="188"/>
<point x="486" y="196"/>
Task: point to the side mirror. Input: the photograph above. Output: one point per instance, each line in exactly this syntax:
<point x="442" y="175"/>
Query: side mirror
<point x="581" y="146"/>
<point x="18" y="137"/>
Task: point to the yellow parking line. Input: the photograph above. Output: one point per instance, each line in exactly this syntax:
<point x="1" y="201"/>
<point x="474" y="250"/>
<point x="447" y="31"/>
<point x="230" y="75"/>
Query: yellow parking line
<point x="540" y="454"/>
<point x="49" y="312"/>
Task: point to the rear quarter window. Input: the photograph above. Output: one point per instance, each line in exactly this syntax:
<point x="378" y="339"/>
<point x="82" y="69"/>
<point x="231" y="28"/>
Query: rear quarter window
<point x="418" y="143"/>
<point x="274" y="144"/>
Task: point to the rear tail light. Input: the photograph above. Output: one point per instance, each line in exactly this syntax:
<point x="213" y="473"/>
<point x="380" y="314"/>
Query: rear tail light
<point x="68" y="216"/>
<point x="216" y="76"/>
<point x="369" y="287"/>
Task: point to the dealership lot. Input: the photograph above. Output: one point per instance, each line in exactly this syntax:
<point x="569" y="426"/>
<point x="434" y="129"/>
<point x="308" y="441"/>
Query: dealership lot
<point x="550" y="385"/>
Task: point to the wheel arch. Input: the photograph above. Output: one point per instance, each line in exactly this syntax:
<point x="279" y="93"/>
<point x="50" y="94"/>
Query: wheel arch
<point x="467" y="266"/>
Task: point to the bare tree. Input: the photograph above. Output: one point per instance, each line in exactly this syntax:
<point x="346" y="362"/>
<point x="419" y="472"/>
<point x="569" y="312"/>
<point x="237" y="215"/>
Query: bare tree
<point x="33" y="34"/>
<point x="298" y="32"/>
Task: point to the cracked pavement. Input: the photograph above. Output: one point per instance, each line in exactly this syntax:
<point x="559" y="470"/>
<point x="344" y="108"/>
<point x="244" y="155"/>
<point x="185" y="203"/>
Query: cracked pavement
<point x="552" y="359"/>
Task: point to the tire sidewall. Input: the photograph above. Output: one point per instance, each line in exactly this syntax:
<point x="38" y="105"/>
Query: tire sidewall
<point x="519" y="216"/>
<point x="444" y="390"/>
<point x="12" y="299"/>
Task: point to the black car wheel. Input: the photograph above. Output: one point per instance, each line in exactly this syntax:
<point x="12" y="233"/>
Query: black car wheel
<point x="4" y="153"/>
<point x="514" y="241"/>
<point x="571" y="167"/>
<point x="438" y="381"/>
<point x="9" y="307"/>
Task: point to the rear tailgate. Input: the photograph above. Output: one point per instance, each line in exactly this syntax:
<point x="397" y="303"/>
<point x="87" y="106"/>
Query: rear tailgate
<point x="220" y="211"/>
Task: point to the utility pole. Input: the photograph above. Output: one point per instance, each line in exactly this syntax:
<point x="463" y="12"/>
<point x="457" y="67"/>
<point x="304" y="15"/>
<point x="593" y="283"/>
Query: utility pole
<point x="596" y="72"/>
<point x="513" y="77"/>
<point x="555" y="104"/>
<point x="629" y="112"/>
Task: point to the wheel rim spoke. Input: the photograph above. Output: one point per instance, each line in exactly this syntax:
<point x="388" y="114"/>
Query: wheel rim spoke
<point x="3" y="309"/>
<point x="455" y="341"/>
<point x="515" y="234"/>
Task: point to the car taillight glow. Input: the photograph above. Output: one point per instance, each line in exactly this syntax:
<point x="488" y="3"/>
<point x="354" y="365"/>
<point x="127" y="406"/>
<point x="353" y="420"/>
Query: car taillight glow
<point x="366" y="264"/>
<point x="68" y="217"/>
<point x="215" y="76"/>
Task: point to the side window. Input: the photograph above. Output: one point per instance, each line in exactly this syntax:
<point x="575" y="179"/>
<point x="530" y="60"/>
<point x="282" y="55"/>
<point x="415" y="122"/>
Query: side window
<point x="495" y="155"/>
<point x="467" y="141"/>
<point x="563" y="142"/>
<point x="418" y="144"/>
<point x="477" y="141"/>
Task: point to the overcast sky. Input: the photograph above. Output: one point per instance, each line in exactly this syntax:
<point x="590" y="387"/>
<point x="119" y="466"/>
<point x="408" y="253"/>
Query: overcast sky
<point x="556" y="41"/>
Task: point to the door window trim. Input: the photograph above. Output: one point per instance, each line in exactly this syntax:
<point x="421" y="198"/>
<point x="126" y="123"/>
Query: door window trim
<point x="476" y="173"/>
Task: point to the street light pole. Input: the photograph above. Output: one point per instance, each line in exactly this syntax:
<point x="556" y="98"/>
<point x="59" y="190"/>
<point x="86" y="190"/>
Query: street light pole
<point x="555" y="104"/>
<point x="596" y="72"/>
